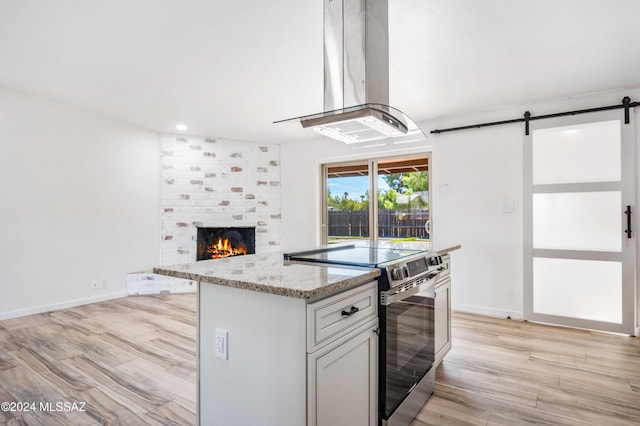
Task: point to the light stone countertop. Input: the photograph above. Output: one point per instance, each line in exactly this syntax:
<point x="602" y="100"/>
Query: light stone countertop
<point x="441" y="251"/>
<point x="269" y="273"/>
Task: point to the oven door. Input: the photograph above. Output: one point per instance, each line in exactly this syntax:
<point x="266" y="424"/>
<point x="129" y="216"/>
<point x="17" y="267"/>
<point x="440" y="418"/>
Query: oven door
<point x="408" y="336"/>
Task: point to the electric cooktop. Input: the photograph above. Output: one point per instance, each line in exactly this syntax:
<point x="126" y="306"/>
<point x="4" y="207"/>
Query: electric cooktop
<point x="353" y="255"/>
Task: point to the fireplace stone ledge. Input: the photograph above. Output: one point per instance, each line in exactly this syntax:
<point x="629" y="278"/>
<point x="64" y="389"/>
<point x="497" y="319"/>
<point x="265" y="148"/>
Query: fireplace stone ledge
<point x="146" y="282"/>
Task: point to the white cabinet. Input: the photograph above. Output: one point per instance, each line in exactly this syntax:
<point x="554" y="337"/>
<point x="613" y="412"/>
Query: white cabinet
<point x="343" y="367"/>
<point x="264" y="379"/>
<point x="442" y="312"/>
<point x="342" y="382"/>
<point x="443" y="319"/>
<point x="290" y="362"/>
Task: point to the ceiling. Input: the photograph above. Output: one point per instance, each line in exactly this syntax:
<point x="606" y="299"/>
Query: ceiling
<point x="228" y="69"/>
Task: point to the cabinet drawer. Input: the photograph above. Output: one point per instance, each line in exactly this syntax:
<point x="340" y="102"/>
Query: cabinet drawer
<point x="329" y="318"/>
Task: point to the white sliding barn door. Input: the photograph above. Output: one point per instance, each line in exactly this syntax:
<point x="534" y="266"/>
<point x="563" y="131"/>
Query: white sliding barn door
<point x="579" y="258"/>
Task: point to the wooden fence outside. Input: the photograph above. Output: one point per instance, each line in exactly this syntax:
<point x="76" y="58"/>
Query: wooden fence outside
<point x="391" y="223"/>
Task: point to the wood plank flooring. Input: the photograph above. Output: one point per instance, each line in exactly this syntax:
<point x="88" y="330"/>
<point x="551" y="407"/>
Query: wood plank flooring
<point x="506" y="372"/>
<point x="132" y="361"/>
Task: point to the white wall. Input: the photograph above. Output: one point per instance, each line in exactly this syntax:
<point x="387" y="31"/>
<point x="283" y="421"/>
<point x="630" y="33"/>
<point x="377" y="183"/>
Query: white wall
<point x="79" y="200"/>
<point x="473" y="172"/>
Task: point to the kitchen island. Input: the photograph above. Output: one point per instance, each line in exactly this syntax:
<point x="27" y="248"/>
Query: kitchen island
<point x="289" y="343"/>
<point x="281" y="337"/>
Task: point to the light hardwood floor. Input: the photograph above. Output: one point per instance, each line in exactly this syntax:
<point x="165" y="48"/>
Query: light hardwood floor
<point x="506" y="372"/>
<point x="132" y="361"/>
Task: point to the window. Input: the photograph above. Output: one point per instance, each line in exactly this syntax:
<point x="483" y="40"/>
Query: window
<point x="377" y="199"/>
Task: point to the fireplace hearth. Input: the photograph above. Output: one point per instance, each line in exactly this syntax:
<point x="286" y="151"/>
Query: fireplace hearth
<point x="217" y="242"/>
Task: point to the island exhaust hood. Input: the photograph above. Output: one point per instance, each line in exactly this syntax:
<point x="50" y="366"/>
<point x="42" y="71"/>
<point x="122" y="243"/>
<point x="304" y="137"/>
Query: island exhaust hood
<point x="356" y="77"/>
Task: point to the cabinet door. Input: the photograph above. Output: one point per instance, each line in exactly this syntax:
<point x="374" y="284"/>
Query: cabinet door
<point x="343" y="386"/>
<point x="443" y="320"/>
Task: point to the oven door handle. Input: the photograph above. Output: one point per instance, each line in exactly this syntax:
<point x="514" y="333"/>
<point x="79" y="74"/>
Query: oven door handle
<point x="395" y="295"/>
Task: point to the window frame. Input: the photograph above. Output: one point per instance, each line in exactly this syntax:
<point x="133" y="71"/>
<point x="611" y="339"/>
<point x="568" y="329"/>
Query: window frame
<point x="372" y="171"/>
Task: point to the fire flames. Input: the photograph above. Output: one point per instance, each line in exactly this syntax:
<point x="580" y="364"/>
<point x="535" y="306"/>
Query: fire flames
<point x="224" y="248"/>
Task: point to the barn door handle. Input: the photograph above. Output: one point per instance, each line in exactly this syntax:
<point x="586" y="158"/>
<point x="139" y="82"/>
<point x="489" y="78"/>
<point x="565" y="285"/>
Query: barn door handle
<point x="628" y="230"/>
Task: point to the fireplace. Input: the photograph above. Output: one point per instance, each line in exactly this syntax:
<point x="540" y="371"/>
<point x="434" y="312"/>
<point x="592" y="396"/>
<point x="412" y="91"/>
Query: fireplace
<point x="215" y="243"/>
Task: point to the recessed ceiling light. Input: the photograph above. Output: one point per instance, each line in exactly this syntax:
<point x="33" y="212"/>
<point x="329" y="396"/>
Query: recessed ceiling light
<point x="181" y="127"/>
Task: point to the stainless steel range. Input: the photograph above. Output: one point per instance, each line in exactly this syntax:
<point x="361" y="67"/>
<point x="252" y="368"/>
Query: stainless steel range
<point x="406" y="375"/>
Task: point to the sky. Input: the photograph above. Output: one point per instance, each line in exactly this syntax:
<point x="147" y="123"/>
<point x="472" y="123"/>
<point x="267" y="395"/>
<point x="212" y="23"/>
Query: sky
<point x="355" y="186"/>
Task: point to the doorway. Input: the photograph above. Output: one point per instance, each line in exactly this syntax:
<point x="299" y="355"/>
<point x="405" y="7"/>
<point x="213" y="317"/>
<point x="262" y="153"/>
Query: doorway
<point x="579" y="245"/>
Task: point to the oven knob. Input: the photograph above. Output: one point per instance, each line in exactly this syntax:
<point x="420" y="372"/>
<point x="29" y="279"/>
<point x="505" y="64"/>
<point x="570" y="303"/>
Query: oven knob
<point x="397" y="274"/>
<point x="433" y="261"/>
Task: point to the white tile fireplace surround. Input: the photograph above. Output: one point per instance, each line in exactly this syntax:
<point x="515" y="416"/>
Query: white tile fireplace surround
<point x="211" y="183"/>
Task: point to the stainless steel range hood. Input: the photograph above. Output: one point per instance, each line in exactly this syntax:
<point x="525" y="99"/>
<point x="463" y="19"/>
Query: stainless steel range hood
<point x="363" y="123"/>
<point x="356" y="77"/>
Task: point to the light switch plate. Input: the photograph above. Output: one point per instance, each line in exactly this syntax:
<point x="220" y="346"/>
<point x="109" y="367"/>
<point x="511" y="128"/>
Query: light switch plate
<point x="508" y="206"/>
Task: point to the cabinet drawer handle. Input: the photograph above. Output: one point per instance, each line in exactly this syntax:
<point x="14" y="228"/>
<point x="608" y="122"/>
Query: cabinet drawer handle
<point x="353" y="310"/>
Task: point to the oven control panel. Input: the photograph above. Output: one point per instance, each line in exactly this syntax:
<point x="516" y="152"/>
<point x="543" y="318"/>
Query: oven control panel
<point x="411" y="269"/>
<point x="399" y="273"/>
<point x="435" y="260"/>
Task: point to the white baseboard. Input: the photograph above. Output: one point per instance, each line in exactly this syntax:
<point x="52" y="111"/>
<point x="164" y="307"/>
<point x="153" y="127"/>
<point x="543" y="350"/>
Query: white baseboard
<point x="61" y="305"/>
<point x="490" y="312"/>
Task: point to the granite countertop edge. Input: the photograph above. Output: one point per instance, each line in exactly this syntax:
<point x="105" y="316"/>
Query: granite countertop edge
<point x="442" y="251"/>
<point x="324" y="290"/>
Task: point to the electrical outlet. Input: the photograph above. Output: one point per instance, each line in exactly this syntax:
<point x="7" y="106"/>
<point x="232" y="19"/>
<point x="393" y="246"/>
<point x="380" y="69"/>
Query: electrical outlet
<point x="98" y="284"/>
<point x="222" y="343"/>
